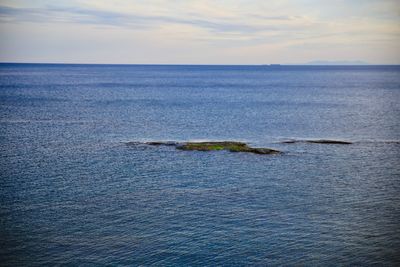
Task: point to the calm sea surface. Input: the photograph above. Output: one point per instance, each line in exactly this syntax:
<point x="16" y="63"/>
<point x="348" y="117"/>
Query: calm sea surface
<point x="72" y="192"/>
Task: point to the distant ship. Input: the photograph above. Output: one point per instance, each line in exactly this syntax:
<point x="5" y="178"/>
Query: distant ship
<point x="271" y="65"/>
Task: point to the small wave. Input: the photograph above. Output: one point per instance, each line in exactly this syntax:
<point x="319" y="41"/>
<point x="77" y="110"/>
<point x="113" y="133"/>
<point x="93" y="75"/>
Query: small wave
<point x="22" y="121"/>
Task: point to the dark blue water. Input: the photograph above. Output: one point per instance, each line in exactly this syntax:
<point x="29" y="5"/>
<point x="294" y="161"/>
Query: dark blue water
<point x="72" y="192"/>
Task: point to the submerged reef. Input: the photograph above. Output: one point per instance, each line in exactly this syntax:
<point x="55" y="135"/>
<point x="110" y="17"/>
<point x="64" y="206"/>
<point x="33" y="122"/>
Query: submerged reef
<point x="231" y="146"/>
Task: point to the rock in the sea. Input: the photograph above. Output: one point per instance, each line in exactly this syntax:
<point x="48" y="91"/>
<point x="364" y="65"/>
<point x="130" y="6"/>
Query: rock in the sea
<point x="337" y="142"/>
<point x="210" y="146"/>
<point x="263" y="151"/>
<point x="228" y="145"/>
<point x="322" y="141"/>
<point x="289" y="142"/>
<point x="162" y="143"/>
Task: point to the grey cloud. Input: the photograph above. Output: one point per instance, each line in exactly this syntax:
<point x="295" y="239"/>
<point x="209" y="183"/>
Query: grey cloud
<point x="25" y="14"/>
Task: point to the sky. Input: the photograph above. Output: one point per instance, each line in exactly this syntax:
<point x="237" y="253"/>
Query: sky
<point x="199" y="32"/>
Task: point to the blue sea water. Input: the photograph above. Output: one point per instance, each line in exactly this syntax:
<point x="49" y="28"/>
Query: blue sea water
<point x="73" y="193"/>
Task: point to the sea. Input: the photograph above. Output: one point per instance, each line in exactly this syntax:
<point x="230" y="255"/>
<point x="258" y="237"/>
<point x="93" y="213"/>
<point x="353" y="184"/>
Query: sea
<point x="73" y="193"/>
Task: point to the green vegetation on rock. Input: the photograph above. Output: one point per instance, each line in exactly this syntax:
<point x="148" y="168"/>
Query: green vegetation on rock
<point x="230" y="146"/>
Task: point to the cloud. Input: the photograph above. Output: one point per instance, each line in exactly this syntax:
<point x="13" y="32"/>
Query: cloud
<point x="112" y="18"/>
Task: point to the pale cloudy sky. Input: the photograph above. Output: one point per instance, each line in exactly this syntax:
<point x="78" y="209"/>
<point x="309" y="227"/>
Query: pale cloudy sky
<point x="199" y="32"/>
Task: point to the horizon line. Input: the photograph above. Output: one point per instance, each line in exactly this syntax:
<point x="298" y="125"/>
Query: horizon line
<point x="197" y="64"/>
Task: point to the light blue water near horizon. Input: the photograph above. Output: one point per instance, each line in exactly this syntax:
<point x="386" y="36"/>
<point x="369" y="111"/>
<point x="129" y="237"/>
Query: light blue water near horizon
<point x="72" y="192"/>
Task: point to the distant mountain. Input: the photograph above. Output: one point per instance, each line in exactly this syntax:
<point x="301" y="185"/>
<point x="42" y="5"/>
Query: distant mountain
<point x="341" y="62"/>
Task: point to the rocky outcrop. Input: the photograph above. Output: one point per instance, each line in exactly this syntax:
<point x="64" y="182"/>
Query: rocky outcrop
<point x="211" y="146"/>
<point x="320" y="141"/>
<point x="228" y="145"/>
<point x="334" y="142"/>
<point x="161" y="143"/>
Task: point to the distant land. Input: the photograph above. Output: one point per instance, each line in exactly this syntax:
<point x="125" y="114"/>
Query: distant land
<point x="339" y="62"/>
